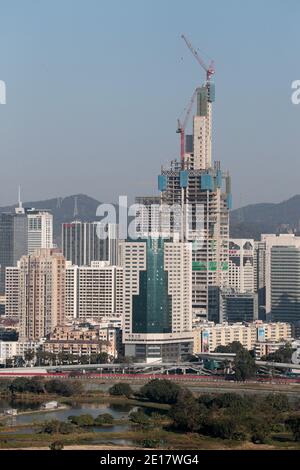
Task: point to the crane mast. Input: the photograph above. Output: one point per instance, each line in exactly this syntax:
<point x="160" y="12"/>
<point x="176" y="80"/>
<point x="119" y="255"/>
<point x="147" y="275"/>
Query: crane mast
<point x="182" y="125"/>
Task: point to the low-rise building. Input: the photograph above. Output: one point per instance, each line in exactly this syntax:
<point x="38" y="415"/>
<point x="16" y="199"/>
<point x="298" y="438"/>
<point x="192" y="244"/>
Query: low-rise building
<point x="263" y="348"/>
<point x="11" y="349"/>
<point x="82" y="341"/>
<point x="50" y="405"/>
<point x="208" y="336"/>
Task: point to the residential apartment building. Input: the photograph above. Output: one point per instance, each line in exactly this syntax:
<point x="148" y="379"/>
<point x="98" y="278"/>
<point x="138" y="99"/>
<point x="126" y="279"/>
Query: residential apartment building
<point x="41" y="302"/>
<point x="207" y="337"/>
<point x="80" y="341"/>
<point x="93" y="292"/>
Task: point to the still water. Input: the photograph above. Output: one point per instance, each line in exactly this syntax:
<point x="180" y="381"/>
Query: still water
<point x="117" y="411"/>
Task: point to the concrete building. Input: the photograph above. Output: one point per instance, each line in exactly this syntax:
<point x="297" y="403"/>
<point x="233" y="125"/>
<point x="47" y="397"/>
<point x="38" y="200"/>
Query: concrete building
<point x="263" y="348"/>
<point x="259" y="264"/>
<point x="41" y="293"/>
<point x="148" y="218"/>
<point x="82" y="341"/>
<point x="241" y="264"/>
<point x="238" y="307"/>
<point x="40" y="230"/>
<point x="11" y="349"/>
<point x="283" y="290"/>
<point x="113" y="244"/>
<point x="81" y="243"/>
<point x="203" y="193"/>
<point x="93" y="292"/>
<point x="208" y="336"/>
<point x="12" y="292"/>
<point x="2" y="305"/>
<point x="263" y="270"/>
<point x="157" y="320"/>
<point x="13" y="241"/>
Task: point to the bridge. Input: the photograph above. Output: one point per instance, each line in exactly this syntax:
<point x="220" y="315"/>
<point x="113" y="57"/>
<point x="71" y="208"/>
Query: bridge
<point x="164" y="368"/>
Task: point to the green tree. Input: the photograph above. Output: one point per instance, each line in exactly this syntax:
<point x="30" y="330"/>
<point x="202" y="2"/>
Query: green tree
<point x="244" y="365"/>
<point x="82" y="420"/>
<point x="187" y="413"/>
<point x="234" y="347"/>
<point x="293" y="423"/>
<point x="283" y="354"/>
<point x="277" y="401"/>
<point x="20" y="385"/>
<point x="63" y="388"/>
<point x="104" y="418"/>
<point x="224" y="427"/>
<point x="121" y="389"/>
<point x="260" y="429"/>
<point x="140" y="418"/>
<point x="51" y="427"/>
<point x="161" y="391"/>
<point x="29" y="355"/>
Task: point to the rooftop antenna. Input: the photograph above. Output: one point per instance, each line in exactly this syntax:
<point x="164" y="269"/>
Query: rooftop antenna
<point x="19" y="209"/>
<point x="76" y="213"/>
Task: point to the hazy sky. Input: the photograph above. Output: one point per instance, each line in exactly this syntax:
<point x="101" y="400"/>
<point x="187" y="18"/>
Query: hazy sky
<point x="94" y="90"/>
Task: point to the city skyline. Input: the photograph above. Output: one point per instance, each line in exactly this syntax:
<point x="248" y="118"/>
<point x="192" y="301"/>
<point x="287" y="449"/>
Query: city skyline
<point x="63" y="67"/>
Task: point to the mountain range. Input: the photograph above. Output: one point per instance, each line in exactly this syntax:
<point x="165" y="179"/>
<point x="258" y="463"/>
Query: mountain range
<point x="246" y="222"/>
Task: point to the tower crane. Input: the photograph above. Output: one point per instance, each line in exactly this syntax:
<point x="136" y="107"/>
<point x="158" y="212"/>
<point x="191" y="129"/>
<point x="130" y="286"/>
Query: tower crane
<point x="182" y="125"/>
<point x="209" y="69"/>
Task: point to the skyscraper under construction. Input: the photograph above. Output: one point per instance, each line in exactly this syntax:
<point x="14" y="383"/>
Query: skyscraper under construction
<point x="203" y="193"/>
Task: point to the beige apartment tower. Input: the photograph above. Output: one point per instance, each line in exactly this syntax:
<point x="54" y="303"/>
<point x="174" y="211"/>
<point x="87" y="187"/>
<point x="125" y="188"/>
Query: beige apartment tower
<point x="41" y="293"/>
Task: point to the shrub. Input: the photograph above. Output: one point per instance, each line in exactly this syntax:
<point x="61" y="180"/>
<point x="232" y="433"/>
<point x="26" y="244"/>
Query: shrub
<point x="82" y="420"/>
<point x="293" y="423"/>
<point x="161" y="391"/>
<point x="51" y="427"/>
<point x="63" y="388"/>
<point x="187" y="413"/>
<point x="150" y="443"/>
<point x="226" y="427"/>
<point x="121" y="389"/>
<point x="140" y="418"/>
<point x="277" y="401"/>
<point x="104" y="418"/>
<point x="56" y="445"/>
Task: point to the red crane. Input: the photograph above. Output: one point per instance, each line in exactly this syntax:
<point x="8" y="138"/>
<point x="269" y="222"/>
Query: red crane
<point x="182" y="125"/>
<point x="210" y="70"/>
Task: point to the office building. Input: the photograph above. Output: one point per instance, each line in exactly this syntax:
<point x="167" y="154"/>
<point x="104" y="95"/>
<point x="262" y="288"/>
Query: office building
<point x="84" y="242"/>
<point x="148" y="217"/>
<point x="238" y="307"/>
<point x="284" y="286"/>
<point x="157" y="320"/>
<point x="241" y="264"/>
<point x="263" y="272"/>
<point x="40" y="230"/>
<point x="13" y="241"/>
<point x="259" y="265"/>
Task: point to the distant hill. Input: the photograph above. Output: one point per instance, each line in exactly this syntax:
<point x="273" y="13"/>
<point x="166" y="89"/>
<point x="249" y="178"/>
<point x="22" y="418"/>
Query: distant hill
<point x="249" y="221"/>
<point x="67" y="209"/>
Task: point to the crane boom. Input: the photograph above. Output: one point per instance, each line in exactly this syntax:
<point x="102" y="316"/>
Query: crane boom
<point x="182" y="125"/>
<point x="210" y="70"/>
